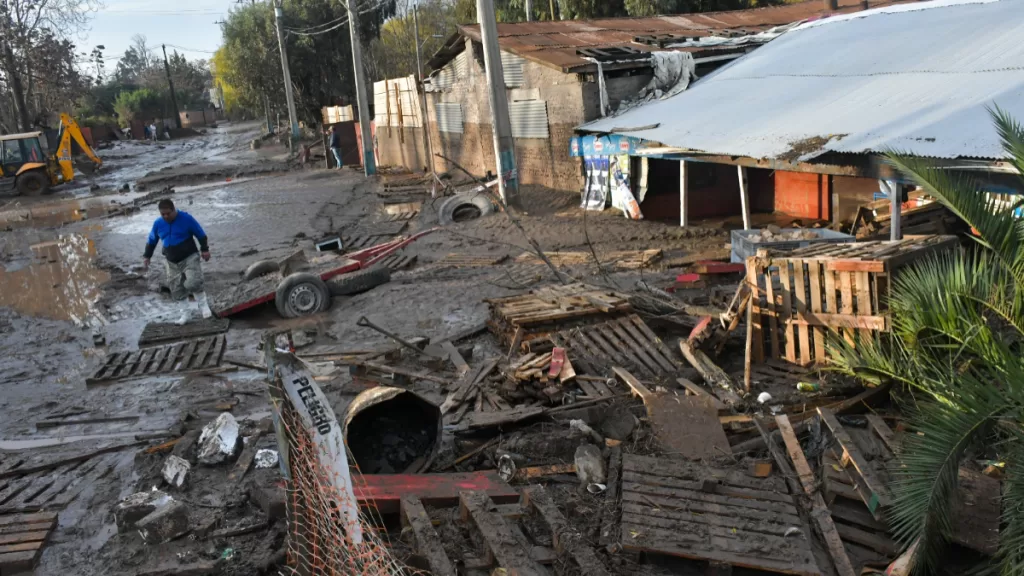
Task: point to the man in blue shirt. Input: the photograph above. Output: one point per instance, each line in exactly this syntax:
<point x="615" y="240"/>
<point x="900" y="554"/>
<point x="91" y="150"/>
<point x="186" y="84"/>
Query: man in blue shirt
<point x="179" y="232"/>
<point x="335" y="146"/>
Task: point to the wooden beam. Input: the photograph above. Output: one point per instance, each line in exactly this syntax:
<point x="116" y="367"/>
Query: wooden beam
<point x="837" y="321"/>
<point x="744" y="196"/>
<point x="819" y="512"/>
<point x="872" y="490"/>
<point x="713" y="375"/>
<point x="684" y="194"/>
<point x="699" y="391"/>
<point x="428" y="544"/>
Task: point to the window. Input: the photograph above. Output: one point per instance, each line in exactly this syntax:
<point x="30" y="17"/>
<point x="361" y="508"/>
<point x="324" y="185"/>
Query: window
<point x="33" y="151"/>
<point x="12" y="152"/>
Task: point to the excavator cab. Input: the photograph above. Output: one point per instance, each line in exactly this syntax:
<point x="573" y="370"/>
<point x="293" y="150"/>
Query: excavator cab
<point x="23" y="164"/>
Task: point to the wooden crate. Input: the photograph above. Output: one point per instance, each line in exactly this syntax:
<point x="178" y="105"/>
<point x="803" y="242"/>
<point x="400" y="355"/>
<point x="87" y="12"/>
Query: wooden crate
<point x="800" y="297"/>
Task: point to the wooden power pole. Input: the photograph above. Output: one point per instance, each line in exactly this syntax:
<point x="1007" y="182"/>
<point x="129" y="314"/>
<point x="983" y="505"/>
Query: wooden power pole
<point x="504" y="147"/>
<point x="170" y="85"/>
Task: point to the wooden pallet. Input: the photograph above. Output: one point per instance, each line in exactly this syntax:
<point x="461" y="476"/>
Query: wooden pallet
<point x="160" y="332"/>
<point x="622" y="259"/>
<point x="505" y="544"/>
<point x="22" y="537"/>
<point x="178" y="358"/>
<point x="397" y="261"/>
<point x="469" y="261"/>
<point x="625" y="341"/>
<point x="685" y="509"/>
<point x="399" y="216"/>
<point x="799" y="297"/>
<point x="516" y="319"/>
<point x="54" y="488"/>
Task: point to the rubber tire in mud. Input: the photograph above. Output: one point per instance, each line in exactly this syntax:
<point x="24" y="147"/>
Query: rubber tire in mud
<point x="32" y="183"/>
<point x="477" y="200"/>
<point x="302" y="294"/>
<point x="356" y="282"/>
<point x="261" y="268"/>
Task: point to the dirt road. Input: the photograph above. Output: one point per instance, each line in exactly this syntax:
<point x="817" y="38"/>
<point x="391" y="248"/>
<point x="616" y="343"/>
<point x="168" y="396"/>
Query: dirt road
<point x="83" y="285"/>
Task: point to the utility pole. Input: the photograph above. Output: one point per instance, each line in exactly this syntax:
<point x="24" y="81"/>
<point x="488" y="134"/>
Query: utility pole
<point x="552" y="4"/>
<point x="170" y="84"/>
<point x="369" y="166"/>
<point x="428" y="149"/>
<point x="278" y="16"/>
<point x="529" y="10"/>
<point x="501" y="127"/>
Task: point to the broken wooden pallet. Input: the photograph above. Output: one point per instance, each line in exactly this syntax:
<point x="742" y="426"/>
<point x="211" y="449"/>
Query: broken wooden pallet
<point x="358" y="242"/>
<point x="404" y="216"/>
<point x="22" y="537"/>
<point x="684" y="509"/>
<point x="384" y="491"/>
<point x="624" y="341"/>
<point x="160" y="332"/>
<point x="397" y="261"/>
<point x="178" y="358"/>
<point x="622" y="259"/>
<point x="51" y="489"/>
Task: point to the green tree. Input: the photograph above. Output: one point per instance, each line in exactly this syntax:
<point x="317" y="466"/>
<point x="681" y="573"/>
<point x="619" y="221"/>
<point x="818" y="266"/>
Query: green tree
<point x="958" y="329"/>
<point x="142" y="104"/>
<point x="393" y="53"/>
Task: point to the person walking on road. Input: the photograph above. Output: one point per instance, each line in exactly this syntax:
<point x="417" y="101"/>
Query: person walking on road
<point x="179" y="231"/>
<point x="335" y="145"/>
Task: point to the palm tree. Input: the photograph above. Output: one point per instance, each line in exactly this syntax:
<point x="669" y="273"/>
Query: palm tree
<point x="958" y="326"/>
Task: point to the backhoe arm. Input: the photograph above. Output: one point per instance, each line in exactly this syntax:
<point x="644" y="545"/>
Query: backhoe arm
<point x="69" y="131"/>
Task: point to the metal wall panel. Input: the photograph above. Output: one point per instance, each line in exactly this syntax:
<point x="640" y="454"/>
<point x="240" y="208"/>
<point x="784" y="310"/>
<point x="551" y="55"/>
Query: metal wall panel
<point x="449" y="117"/>
<point x="529" y="119"/>
<point x="512" y="67"/>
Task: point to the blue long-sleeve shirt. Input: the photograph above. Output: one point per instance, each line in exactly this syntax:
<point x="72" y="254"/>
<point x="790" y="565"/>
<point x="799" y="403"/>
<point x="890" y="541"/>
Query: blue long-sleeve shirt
<point x="177" y="237"/>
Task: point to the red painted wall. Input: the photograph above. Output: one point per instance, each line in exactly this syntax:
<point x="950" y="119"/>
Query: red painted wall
<point x="803" y="195"/>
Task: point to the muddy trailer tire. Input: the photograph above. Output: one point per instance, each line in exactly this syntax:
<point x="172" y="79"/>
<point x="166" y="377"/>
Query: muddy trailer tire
<point x="464" y="207"/>
<point x="261" y="268"/>
<point x="302" y="294"/>
<point x="32" y="183"/>
<point x="361" y="281"/>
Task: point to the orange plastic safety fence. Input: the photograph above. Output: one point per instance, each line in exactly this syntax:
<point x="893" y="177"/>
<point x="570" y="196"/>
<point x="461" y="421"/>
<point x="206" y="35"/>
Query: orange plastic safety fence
<point x="317" y="541"/>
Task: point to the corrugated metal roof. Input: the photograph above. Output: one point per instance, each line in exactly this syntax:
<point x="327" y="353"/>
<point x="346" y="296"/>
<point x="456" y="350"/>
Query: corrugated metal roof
<point x="554" y="43"/>
<point x="916" y="77"/>
<point x="529" y="118"/>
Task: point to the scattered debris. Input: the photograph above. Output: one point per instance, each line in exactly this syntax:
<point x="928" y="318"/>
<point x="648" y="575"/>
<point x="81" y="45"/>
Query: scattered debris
<point x="137" y="506"/>
<point x="176" y="471"/>
<point x="165" y="523"/>
<point x="266" y="458"/>
<point x="219" y="440"/>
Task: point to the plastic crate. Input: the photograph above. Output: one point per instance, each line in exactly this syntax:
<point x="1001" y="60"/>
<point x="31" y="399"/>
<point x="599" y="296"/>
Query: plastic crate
<point x="743" y="247"/>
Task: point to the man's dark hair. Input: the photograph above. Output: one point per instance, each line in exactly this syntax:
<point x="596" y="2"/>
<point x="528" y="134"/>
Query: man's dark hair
<point x="165" y="203"/>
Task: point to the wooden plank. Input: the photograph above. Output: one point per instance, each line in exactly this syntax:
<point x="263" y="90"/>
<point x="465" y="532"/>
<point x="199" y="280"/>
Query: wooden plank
<point x="855" y="266"/>
<point x="773" y="315"/>
<point x="653" y="348"/>
<point x="32" y="468"/>
<point x="173" y="352"/>
<point x="18" y="562"/>
<point x="846" y="296"/>
<point x="830" y="292"/>
<point x="855" y="514"/>
<point x="498" y="537"/>
<point x="23" y="537"/>
<point x="565" y="537"/>
<point x="699" y="391"/>
<point x="635" y="385"/>
<point x="655" y="513"/>
<point x="428" y="544"/>
<point x="877" y="495"/>
<point x="682" y="469"/>
<point x="203" y="351"/>
<point x="461" y="366"/>
<point x="687" y="426"/>
<point x="787" y="310"/>
<point x="713" y="375"/>
<point x="754" y="320"/>
<point x="800" y="301"/>
<point x="736" y="505"/>
<point x="609" y="521"/>
<point x="28" y="527"/>
<point x="819" y="512"/>
<point x="866" y="323"/>
<point x="218" y="351"/>
<point x="246" y="458"/>
<point x="601" y="388"/>
<point x="864" y="301"/>
<point x="185" y="360"/>
<point x="18" y="519"/>
<point x="640" y="538"/>
<point x="814" y="283"/>
<point x="880" y="544"/>
<point x="640" y="353"/>
<point x="882" y="429"/>
<point x="708" y="507"/>
<point x="724" y="490"/>
<point x="478" y="420"/>
<point x="103" y="467"/>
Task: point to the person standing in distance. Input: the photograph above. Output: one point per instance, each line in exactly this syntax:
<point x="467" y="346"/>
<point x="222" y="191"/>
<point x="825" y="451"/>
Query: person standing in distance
<point x="179" y="231"/>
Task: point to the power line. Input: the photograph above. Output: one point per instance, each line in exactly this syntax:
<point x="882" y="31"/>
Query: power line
<point x="192" y="49"/>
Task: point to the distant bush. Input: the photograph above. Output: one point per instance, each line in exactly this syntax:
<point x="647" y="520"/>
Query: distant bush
<point x="141" y="104"/>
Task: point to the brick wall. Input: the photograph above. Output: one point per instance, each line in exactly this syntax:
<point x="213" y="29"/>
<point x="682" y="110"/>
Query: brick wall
<point x="401" y="147"/>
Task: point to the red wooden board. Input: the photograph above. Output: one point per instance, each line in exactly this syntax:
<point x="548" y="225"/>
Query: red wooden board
<point x="386" y="490"/>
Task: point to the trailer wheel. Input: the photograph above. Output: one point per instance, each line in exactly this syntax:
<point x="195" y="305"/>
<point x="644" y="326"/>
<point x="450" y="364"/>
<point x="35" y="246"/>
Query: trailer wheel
<point x="261" y="268"/>
<point x="361" y="281"/>
<point x="302" y="294"/>
<point x="32" y="183"/>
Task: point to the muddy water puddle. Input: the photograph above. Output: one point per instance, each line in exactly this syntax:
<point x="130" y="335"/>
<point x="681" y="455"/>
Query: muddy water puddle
<point x="61" y="283"/>
<point x="56" y="214"/>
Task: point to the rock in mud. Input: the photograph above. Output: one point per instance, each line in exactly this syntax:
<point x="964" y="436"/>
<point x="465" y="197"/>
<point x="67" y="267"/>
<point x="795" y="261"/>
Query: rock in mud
<point x="165" y="523"/>
<point x="137" y="506"/>
<point x="266" y="458"/>
<point x="618" y="425"/>
<point x="176" y="471"/>
<point x="270" y="499"/>
<point x="219" y="440"/>
<point x="589" y="465"/>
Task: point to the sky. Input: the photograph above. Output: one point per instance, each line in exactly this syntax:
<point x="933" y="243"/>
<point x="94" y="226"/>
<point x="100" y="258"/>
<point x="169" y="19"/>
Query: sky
<point x="189" y="25"/>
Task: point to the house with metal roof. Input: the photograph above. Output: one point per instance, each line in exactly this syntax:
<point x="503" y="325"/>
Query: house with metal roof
<point x="561" y="74"/>
<point x="808" y="117"/>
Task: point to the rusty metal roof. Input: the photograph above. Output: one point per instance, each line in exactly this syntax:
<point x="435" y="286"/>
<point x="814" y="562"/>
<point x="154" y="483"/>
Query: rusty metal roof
<point x="554" y="43"/>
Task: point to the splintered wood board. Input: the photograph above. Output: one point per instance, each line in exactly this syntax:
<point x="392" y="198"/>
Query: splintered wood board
<point x="742" y="523"/>
<point x="160" y="332"/>
<point x="625" y="341"/>
<point x="22" y="537"/>
<point x="178" y="358"/>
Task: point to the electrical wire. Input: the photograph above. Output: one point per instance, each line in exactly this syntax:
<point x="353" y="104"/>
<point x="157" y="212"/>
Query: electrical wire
<point x="191" y="49"/>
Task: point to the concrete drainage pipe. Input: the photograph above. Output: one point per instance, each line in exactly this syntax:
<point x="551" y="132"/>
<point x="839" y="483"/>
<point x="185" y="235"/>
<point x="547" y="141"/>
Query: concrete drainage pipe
<point x="392" y="431"/>
<point x="465" y="207"/>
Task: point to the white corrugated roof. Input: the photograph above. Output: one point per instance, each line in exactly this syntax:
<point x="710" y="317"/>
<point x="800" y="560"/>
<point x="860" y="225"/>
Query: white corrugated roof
<point x="915" y="77"/>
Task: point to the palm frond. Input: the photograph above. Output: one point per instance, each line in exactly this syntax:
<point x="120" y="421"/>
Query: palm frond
<point x="1012" y="134"/>
<point x="925" y="485"/>
<point x="998" y="229"/>
<point x="1011" y="535"/>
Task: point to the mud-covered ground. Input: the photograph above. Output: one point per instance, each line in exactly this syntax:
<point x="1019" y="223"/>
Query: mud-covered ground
<point x="57" y="303"/>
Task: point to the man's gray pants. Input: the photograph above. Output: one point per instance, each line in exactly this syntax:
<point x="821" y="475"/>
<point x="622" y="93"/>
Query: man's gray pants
<point x="185" y="277"/>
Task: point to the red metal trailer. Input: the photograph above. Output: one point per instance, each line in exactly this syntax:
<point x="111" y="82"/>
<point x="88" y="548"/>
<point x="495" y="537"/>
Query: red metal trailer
<point x="306" y="292"/>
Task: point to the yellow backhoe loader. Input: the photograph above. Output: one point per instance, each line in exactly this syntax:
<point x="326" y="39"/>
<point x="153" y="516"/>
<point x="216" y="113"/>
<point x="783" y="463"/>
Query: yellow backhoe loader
<point x="30" y="170"/>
